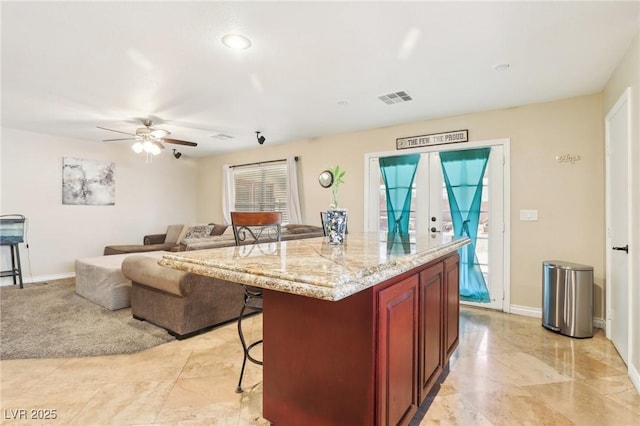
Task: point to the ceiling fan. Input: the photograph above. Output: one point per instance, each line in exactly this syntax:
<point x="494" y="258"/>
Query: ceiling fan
<point x="147" y="138"/>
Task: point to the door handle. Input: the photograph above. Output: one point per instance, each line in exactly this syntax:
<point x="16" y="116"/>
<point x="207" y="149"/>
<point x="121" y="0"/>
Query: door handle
<point x="433" y="228"/>
<point x="624" y="249"/>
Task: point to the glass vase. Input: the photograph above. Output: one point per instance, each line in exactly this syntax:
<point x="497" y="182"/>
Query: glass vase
<point x="336" y="226"/>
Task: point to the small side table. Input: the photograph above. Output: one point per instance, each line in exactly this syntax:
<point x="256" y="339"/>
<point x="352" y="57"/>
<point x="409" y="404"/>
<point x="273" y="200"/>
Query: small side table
<point x="16" y="268"/>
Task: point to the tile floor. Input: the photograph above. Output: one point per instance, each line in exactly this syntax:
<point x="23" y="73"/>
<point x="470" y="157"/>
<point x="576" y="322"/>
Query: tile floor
<point x="507" y="370"/>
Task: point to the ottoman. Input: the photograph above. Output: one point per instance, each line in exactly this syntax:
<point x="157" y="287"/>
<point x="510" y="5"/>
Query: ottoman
<point x="100" y="280"/>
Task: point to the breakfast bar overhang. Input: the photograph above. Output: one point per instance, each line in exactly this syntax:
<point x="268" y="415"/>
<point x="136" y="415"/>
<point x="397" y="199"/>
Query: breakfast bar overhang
<point x="354" y="334"/>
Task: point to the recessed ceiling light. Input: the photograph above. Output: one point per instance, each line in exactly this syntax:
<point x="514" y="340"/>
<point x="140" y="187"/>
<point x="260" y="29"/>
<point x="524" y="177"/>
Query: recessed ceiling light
<point x="236" y="41"/>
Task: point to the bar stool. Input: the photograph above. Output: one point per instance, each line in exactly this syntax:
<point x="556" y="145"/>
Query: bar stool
<point x="253" y="228"/>
<point x="11" y="235"/>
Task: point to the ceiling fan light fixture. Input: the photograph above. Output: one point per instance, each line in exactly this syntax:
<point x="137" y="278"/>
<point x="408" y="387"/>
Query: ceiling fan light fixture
<point x="137" y="147"/>
<point x="143" y="132"/>
<point x="147" y="139"/>
<point x="236" y="41"/>
<point x="155" y="149"/>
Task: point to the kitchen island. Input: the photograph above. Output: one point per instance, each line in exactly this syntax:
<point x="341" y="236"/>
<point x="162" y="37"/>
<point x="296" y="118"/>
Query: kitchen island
<point x="354" y="334"/>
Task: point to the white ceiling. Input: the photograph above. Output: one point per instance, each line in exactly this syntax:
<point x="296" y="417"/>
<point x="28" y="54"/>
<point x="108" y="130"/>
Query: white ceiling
<point x="314" y="68"/>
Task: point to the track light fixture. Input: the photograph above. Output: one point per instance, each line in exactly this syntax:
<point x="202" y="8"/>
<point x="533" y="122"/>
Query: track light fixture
<point x="261" y="139"/>
<point x="177" y="154"/>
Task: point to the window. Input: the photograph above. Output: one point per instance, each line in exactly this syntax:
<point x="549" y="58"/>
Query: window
<point x="261" y="187"/>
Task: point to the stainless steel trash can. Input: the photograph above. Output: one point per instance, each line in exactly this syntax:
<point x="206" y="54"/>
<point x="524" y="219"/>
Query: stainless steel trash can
<point x="567" y="298"/>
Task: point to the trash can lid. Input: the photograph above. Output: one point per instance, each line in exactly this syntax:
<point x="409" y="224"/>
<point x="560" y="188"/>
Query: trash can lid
<point x="567" y="265"/>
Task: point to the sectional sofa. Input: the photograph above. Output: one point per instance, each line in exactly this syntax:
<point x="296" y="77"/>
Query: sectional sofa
<point x="185" y="237"/>
<point x="182" y="303"/>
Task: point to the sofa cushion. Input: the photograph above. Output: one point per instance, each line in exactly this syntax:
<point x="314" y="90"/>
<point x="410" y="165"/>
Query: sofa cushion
<point x="304" y="229"/>
<point x="293" y="226"/>
<point x="136" y="248"/>
<point x="173" y="232"/>
<point x="100" y="279"/>
<point x="143" y="269"/>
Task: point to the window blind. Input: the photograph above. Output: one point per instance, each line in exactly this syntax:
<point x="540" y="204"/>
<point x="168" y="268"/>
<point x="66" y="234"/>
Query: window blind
<point x="261" y="187"/>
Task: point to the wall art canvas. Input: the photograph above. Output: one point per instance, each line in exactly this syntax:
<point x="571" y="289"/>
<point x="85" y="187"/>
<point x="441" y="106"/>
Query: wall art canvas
<point x="88" y="182"/>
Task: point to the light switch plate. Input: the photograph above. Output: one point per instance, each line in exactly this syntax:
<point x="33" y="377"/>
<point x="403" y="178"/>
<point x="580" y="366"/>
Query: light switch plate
<point x="529" y="215"/>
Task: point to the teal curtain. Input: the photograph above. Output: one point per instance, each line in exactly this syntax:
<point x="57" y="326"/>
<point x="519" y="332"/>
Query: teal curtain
<point x="398" y="173"/>
<point x="463" y="172"/>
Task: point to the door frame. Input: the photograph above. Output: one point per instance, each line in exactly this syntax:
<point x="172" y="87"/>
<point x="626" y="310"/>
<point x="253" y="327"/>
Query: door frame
<point x="506" y="194"/>
<point x="623" y="100"/>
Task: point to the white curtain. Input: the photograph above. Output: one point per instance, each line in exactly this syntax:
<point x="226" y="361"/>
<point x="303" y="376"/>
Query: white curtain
<point x="228" y="195"/>
<point x="293" y="197"/>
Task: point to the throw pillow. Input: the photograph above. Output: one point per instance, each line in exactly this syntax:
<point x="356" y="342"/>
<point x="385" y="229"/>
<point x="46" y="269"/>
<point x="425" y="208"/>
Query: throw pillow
<point x="198" y="231"/>
<point x="218" y="229"/>
<point x="173" y="232"/>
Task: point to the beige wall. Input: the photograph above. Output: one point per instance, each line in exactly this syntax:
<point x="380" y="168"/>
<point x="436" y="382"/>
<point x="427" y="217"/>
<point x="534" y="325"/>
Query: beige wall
<point x="627" y="74"/>
<point x="569" y="197"/>
<point x="148" y="198"/>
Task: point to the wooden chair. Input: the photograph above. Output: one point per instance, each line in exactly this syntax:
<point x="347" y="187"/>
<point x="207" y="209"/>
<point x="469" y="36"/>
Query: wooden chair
<point x="253" y="228"/>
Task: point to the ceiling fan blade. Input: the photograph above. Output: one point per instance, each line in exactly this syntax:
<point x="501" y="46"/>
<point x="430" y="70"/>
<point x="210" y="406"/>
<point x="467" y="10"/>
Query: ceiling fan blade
<point x="179" y="142"/>
<point x="123" y="139"/>
<point x="159" y="144"/>
<point x="118" y="131"/>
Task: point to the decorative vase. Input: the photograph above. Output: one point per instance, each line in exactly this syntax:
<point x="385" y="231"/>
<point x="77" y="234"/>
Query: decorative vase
<point x="336" y="225"/>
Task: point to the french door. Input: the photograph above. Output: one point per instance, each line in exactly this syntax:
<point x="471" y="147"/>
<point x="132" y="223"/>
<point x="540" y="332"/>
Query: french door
<point x="430" y="212"/>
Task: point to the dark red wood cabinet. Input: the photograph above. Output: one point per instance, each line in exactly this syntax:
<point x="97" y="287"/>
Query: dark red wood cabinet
<point x="452" y="304"/>
<point x="431" y="327"/>
<point x="368" y="359"/>
<point x="397" y="353"/>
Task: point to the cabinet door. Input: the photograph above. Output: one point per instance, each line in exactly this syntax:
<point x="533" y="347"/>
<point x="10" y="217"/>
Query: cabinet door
<point x="431" y="327"/>
<point x="451" y="303"/>
<point x="397" y="385"/>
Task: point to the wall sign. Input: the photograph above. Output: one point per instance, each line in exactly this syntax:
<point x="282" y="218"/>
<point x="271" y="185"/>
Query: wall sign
<point x="568" y="158"/>
<point x="434" y="139"/>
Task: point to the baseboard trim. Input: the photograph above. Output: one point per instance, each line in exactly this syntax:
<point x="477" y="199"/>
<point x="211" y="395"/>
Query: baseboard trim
<point x="634" y="376"/>
<point x="8" y="281"/>
<point x="599" y="323"/>
<point x="526" y="311"/>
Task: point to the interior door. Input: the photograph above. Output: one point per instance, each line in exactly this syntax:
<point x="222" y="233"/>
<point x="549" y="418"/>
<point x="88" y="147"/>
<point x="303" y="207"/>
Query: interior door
<point x="618" y="146"/>
<point x="430" y="212"/>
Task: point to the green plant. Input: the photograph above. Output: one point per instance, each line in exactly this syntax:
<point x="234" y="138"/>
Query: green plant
<point x="338" y="178"/>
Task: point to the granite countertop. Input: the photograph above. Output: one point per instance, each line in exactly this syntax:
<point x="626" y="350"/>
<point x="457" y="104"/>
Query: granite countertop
<point x="314" y="268"/>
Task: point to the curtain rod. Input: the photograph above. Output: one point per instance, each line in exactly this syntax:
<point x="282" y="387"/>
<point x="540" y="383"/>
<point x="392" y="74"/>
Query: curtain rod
<point x="262" y="162"/>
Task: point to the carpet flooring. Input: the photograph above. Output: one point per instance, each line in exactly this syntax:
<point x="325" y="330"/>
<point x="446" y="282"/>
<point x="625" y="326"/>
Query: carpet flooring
<point x="49" y="320"/>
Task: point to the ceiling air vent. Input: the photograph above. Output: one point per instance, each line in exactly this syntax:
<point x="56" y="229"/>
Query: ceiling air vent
<point x="394" y="98"/>
<point x="222" y="136"/>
